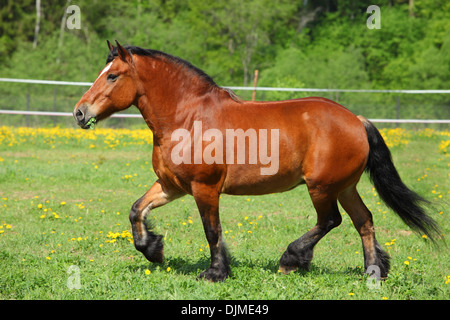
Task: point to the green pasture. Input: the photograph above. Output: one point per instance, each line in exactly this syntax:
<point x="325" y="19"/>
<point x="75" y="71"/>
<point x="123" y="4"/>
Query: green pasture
<point x="65" y="203"/>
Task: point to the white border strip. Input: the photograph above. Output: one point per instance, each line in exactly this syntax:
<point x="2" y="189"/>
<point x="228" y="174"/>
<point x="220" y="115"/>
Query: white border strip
<point x="88" y="84"/>
<point x="124" y="115"/>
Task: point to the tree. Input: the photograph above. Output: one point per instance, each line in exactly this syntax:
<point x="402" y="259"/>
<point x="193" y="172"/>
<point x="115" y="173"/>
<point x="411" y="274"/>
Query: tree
<point x="38" y="23"/>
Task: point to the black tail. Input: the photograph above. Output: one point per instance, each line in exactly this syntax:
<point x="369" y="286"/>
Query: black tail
<point x="405" y="202"/>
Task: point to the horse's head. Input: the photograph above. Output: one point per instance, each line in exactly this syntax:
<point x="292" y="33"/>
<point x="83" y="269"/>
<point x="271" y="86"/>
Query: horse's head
<point x="115" y="89"/>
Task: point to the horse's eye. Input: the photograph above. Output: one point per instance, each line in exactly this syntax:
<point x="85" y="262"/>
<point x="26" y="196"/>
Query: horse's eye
<point x="112" y="77"/>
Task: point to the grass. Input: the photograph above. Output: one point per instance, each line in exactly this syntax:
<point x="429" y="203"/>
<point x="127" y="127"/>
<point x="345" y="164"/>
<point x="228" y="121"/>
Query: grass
<point x="65" y="196"/>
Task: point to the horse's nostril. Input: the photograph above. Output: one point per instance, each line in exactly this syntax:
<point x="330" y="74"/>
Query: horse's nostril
<point x="79" y="115"/>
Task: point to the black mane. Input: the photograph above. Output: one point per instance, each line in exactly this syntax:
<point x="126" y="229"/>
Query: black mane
<point x="155" y="53"/>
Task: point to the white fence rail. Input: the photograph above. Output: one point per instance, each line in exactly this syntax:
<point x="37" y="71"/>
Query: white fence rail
<point x="122" y="115"/>
<point x="88" y="84"/>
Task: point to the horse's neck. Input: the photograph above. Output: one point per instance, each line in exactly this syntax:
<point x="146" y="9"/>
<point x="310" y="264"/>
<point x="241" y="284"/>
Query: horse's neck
<point x="166" y="107"/>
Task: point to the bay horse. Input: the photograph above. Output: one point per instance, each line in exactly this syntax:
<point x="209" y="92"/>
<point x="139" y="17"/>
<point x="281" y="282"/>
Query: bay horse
<point x="313" y="141"/>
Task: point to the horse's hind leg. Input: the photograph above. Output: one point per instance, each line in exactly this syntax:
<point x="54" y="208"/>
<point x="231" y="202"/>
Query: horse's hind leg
<point x="300" y="252"/>
<point x="374" y="256"/>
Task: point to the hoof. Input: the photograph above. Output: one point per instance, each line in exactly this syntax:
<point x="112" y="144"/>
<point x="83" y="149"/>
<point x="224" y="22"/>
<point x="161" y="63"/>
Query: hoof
<point x="152" y="249"/>
<point x="292" y="261"/>
<point x="287" y="269"/>
<point x="157" y="256"/>
<point x="213" y="275"/>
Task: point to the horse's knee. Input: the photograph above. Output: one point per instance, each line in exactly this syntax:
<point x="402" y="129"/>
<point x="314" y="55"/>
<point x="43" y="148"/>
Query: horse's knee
<point x="135" y="212"/>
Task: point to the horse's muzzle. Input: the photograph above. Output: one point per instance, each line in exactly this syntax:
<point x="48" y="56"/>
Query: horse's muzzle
<point x="82" y="116"/>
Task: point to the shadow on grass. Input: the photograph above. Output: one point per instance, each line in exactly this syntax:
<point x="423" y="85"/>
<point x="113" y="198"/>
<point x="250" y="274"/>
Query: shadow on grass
<point x="195" y="267"/>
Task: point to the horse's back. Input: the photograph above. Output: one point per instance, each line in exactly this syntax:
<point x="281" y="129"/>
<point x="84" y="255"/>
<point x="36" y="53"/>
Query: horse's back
<point x="319" y="142"/>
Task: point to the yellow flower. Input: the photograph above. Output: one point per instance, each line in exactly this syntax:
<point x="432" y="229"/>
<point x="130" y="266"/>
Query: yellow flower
<point x="406" y="262"/>
<point x="351" y="294"/>
<point x="168" y="269"/>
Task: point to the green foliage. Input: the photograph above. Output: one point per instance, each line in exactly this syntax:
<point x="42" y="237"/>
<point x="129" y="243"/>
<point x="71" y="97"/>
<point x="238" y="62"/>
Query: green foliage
<point x="322" y="44"/>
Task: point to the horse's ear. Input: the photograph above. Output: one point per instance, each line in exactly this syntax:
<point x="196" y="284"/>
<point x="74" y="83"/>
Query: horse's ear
<point x="123" y="53"/>
<point x="110" y="46"/>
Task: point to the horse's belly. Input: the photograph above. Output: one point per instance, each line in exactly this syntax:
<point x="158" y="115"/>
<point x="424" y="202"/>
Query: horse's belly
<point x="248" y="180"/>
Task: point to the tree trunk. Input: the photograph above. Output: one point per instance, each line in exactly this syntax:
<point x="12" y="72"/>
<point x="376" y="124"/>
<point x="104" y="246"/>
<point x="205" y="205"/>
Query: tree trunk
<point x="411" y="8"/>
<point x="38" y="23"/>
<point x="61" y="34"/>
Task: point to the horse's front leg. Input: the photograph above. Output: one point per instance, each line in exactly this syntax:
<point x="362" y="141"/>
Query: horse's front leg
<point x="207" y="199"/>
<point x="145" y="241"/>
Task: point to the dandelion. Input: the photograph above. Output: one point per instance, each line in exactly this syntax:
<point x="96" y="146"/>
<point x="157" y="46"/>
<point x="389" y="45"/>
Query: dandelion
<point x="406" y="262"/>
<point x="168" y="269"/>
<point x="147" y="272"/>
<point x="351" y="294"/>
